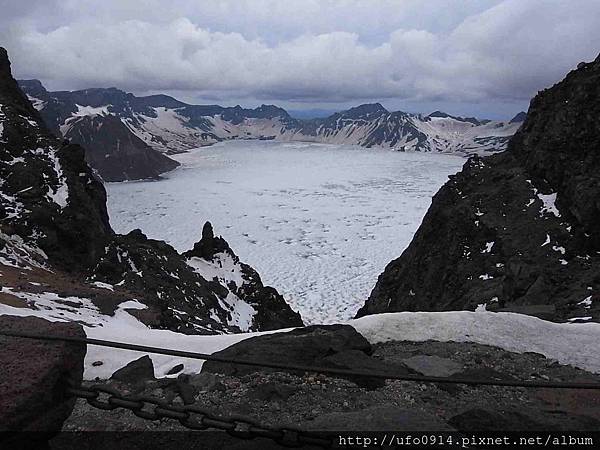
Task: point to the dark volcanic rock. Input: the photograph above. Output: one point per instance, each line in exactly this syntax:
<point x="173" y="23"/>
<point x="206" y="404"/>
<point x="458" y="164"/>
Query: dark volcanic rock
<point x="49" y="195"/>
<point x="519" y="117"/>
<point x="114" y="151"/>
<point x="208" y="245"/>
<point x="111" y="147"/>
<point x="136" y="371"/>
<point x="156" y="271"/>
<point x="517" y="231"/>
<point x="34" y="374"/>
<point x="271" y="391"/>
<point x="317" y="345"/>
<point x="182" y="298"/>
<point x="175" y="369"/>
<point x="272" y="311"/>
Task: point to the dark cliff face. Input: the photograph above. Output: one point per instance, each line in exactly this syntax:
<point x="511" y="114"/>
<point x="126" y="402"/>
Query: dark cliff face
<point x="48" y="194"/>
<point x="112" y="149"/>
<point x="115" y="152"/>
<point x="516" y="231"/>
<point x="560" y="143"/>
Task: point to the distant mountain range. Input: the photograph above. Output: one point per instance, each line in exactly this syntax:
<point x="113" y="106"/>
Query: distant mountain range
<point x="127" y="137"/>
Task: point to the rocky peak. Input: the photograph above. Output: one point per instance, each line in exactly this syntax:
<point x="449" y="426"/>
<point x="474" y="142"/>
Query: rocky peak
<point x="114" y="151"/>
<point x="270" y="111"/>
<point x="519" y="117"/>
<point x="209" y="245"/>
<point x="9" y="90"/>
<point x="368" y="110"/>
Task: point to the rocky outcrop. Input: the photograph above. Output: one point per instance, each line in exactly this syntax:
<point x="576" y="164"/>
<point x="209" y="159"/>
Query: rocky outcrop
<point x="48" y="194"/>
<point x="32" y="388"/>
<point x="331" y="346"/>
<point x="204" y="294"/>
<point x="241" y="281"/>
<point x="137" y="371"/>
<point x="516" y="231"/>
<point x="305" y="346"/>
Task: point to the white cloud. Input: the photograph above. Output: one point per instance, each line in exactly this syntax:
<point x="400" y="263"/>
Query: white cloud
<point x="310" y="50"/>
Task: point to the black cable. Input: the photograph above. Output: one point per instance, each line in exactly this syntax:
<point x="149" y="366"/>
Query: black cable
<point x="301" y="368"/>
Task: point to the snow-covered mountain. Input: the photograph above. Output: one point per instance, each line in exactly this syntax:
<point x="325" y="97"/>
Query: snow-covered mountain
<point x="112" y="149"/>
<point x="171" y="126"/>
<point x="59" y="253"/>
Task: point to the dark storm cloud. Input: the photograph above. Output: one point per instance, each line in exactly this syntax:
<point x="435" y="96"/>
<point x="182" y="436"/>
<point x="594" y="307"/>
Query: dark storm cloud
<point x="308" y="51"/>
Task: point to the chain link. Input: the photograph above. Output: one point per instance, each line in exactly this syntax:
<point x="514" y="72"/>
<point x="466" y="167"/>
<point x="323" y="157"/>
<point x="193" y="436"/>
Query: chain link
<point x="193" y="417"/>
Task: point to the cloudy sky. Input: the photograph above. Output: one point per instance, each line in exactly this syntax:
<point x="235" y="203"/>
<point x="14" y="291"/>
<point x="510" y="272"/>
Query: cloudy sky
<point x="476" y="57"/>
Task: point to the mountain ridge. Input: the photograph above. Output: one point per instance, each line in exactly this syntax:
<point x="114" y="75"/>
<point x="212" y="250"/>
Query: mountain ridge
<point x="170" y="126"/>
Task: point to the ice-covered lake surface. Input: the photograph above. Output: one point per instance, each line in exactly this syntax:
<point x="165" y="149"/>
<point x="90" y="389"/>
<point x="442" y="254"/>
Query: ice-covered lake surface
<point x="318" y="222"/>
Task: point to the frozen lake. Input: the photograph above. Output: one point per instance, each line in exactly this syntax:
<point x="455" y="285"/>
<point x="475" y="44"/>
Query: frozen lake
<point x="318" y="222"/>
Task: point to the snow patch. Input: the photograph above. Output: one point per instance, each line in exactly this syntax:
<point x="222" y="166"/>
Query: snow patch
<point x="18" y="253"/>
<point x="91" y="111"/>
<point x="548" y="201"/>
<point x="510" y="331"/>
<point x="60" y="194"/>
<point x="488" y="247"/>
<point x="37" y="103"/>
<point x="102" y="285"/>
<point x="222" y="267"/>
<point x="549" y="204"/>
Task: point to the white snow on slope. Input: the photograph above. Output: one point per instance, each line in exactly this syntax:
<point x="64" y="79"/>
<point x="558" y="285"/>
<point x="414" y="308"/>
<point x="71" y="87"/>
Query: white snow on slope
<point x="226" y="271"/>
<point x="91" y="111"/>
<point x="574" y="344"/>
<point x="122" y="327"/>
<point x="450" y="135"/>
<point x="16" y="252"/>
<point x="318" y="222"/>
<point x="2" y="117"/>
<point x="549" y="204"/>
<point x="59" y="195"/>
<point x="548" y="201"/>
<point x="37" y="103"/>
<point x="223" y="268"/>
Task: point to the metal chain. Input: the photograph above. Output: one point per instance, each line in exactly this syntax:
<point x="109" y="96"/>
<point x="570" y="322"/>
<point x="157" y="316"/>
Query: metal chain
<point x="194" y="417"/>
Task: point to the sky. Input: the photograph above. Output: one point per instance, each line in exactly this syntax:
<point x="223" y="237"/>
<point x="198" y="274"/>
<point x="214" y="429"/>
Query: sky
<point x="483" y="58"/>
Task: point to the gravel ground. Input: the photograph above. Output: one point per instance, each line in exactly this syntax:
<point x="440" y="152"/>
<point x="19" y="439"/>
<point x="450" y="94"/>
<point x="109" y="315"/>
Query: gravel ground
<point x="281" y="398"/>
